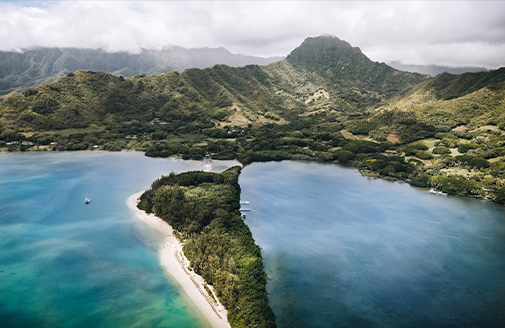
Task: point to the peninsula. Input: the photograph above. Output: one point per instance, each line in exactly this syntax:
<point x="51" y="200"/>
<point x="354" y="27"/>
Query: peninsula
<point x="175" y="264"/>
<point x="208" y="248"/>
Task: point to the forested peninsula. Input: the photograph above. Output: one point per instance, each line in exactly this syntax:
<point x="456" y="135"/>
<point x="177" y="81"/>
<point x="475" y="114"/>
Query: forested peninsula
<point x="203" y="208"/>
<point x="326" y="101"/>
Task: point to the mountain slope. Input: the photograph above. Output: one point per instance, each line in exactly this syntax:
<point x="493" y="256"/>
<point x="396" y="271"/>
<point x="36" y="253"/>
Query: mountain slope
<point x="303" y="82"/>
<point x="43" y="65"/>
<point x="352" y="79"/>
<point x="440" y="104"/>
<point x="329" y="103"/>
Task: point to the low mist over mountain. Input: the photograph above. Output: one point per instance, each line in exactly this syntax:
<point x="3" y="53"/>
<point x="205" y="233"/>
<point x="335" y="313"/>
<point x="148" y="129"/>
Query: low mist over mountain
<point x="434" y="70"/>
<point x="43" y="65"/>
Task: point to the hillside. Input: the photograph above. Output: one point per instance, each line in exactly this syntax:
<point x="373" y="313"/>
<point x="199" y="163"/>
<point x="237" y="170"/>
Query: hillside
<point x="440" y="104"/>
<point x="326" y="101"/>
<point x="303" y="82"/>
<point x="36" y="66"/>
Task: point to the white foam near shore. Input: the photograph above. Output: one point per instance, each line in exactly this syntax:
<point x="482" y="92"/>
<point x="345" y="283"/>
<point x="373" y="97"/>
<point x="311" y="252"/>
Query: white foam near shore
<point x="176" y="266"/>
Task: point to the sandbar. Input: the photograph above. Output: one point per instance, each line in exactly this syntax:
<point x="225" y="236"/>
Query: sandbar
<point x="175" y="265"/>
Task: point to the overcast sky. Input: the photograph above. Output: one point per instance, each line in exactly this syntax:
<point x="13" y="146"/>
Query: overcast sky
<point x="452" y="33"/>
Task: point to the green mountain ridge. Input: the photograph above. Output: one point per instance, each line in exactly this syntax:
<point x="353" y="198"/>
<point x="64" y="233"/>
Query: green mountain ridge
<point x="261" y="93"/>
<point x="40" y="65"/>
<point x="325" y="101"/>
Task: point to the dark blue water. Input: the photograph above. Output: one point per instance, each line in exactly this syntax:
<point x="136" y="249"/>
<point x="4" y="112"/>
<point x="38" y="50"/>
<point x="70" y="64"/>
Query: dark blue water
<point x="62" y="262"/>
<point x="342" y="250"/>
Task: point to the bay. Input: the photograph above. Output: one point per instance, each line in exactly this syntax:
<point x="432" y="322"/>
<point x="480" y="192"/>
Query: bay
<point x="67" y="264"/>
<point x="342" y="250"/>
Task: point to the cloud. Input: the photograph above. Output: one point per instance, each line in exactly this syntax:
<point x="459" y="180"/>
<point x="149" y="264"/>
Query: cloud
<point x="427" y="32"/>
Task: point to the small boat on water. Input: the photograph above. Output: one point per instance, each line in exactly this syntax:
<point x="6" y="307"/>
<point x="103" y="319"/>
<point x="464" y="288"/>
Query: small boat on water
<point x="244" y="203"/>
<point x="436" y="192"/>
<point x="86" y="200"/>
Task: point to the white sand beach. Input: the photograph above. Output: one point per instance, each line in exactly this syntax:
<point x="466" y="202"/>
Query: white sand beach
<point x="176" y="266"/>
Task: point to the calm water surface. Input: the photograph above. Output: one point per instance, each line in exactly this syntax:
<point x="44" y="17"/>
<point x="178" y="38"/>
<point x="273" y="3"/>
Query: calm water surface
<point x="342" y="250"/>
<point x="62" y="262"/>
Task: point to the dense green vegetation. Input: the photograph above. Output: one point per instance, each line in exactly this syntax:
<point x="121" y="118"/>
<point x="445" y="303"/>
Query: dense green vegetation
<point x="36" y="66"/>
<point x="199" y="99"/>
<point x="325" y="102"/>
<point x="204" y="208"/>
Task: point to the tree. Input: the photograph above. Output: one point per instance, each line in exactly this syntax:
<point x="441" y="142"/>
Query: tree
<point x="500" y="195"/>
<point x="169" y="204"/>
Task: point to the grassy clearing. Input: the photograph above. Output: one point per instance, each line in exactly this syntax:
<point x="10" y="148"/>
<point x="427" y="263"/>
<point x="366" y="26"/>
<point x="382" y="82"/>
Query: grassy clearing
<point x="454" y="152"/>
<point x="486" y="127"/>
<point x="348" y="135"/>
<point x="458" y="171"/>
<point x="227" y="139"/>
<point x="430" y="143"/>
<point x="393" y="137"/>
<point x="237" y="119"/>
<point x="312" y="113"/>
<point x="496" y="159"/>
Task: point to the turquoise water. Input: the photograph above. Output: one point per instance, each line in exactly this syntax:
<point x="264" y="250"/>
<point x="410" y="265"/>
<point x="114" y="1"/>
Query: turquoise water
<point x="342" y="250"/>
<point x="62" y="262"/>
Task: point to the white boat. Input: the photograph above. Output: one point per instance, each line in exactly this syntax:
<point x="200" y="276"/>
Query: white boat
<point x="86" y="200"/>
<point x="244" y="203"/>
<point x="433" y="191"/>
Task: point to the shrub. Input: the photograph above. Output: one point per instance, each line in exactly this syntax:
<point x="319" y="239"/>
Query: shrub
<point x="455" y="186"/>
<point x="463" y="148"/>
<point x="479" y="163"/>
<point x="419" y="146"/>
<point x="473" y="161"/>
<point x="360" y="146"/>
<point x="441" y="150"/>
<point x="423" y="154"/>
<point x="500" y="196"/>
<point x="30" y="92"/>
<point x="344" y="156"/>
<point x="420" y="181"/>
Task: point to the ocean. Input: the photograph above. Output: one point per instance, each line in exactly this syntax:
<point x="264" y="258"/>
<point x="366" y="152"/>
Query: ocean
<point x="340" y="250"/>
<point x="62" y="262"/>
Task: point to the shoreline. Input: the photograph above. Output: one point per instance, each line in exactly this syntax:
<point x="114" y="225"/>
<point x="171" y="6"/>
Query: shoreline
<point x="175" y="264"/>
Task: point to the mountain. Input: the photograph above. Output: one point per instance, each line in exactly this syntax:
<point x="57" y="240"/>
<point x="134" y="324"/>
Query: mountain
<point x="43" y="65"/>
<point x="323" y="73"/>
<point x="352" y="76"/>
<point x="434" y="69"/>
<point x="325" y="101"/>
